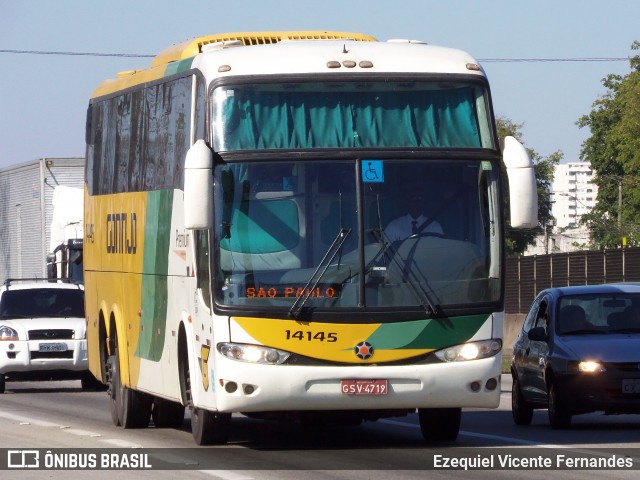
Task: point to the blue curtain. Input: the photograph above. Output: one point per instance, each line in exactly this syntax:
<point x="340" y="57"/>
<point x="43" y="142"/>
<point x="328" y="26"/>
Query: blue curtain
<point x="254" y="119"/>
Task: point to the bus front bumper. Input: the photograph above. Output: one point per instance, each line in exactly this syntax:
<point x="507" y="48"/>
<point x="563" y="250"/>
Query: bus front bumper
<point x="242" y="387"/>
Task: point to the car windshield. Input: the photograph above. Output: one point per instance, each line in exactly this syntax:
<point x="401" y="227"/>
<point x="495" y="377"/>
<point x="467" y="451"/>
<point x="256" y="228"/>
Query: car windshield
<point x="42" y="302"/>
<point x="598" y="313"/>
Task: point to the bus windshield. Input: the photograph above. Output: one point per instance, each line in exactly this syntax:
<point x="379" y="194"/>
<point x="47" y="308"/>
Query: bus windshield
<point x="304" y="115"/>
<point x="422" y="234"/>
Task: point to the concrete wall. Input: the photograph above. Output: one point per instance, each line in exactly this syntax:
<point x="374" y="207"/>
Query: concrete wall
<point x="512" y="326"/>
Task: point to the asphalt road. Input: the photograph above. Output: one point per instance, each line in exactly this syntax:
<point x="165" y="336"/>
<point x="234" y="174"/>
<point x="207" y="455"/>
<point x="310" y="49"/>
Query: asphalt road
<point x="59" y="415"/>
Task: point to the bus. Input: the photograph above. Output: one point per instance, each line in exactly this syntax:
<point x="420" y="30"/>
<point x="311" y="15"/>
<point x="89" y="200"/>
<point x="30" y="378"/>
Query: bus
<point x="245" y="251"/>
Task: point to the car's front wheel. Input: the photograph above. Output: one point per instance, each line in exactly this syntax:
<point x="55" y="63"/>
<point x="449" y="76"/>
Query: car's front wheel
<point x="559" y="412"/>
<point x="521" y="410"/>
<point x="3" y="382"/>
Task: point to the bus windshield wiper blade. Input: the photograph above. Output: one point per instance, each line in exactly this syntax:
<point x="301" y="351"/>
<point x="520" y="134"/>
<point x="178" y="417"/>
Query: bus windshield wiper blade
<point x="328" y="257"/>
<point x="418" y="292"/>
<point x="385" y="244"/>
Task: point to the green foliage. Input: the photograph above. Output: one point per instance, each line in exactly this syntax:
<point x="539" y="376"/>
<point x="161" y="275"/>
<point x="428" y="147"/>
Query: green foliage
<point x="517" y="241"/>
<point x="614" y="152"/>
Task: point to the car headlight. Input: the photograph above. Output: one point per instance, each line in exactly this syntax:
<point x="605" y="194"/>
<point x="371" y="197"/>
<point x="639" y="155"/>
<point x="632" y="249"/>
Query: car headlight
<point x="8" y="333"/>
<point x="591" y="366"/>
<point x="252" y="353"/>
<point x="470" y="351"/>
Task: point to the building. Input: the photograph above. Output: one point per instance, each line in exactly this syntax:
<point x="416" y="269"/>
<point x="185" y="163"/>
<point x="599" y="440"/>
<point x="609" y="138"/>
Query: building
<point x="26" y="211"/>
<point x="573" y="195"/>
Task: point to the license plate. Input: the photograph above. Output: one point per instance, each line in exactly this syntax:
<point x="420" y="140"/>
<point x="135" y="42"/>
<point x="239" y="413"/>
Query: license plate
<point x="52" y="347"/>
<point x="364" y="387"/>
<point x="631" y="386"/>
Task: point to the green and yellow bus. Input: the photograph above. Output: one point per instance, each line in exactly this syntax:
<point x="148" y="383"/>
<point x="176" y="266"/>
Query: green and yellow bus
<point x="305" y="224"/>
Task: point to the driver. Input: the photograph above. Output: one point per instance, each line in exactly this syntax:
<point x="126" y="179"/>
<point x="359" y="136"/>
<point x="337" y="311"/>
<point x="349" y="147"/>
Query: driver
<point x="412" y="222"/>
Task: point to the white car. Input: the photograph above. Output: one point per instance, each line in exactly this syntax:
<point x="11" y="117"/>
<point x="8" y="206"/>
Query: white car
<point x="43" y="332"/>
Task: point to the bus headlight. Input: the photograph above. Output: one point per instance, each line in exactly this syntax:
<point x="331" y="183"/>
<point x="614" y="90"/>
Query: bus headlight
<point x="252" y="353"/>
<point x="470" y="351"/>
<point x="8" y="333"/>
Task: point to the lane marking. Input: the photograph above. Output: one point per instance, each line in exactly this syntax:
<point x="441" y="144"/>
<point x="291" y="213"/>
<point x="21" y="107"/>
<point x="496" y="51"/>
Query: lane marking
<point x="27" y="420"/>
<point x="81" y="433"/>
<point x="121" y="443"/>
<point x="226" y="475"/>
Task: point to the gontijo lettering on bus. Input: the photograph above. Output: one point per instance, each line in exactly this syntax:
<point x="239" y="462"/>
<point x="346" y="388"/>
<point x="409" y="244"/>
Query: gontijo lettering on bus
<point x="121" y="234"/>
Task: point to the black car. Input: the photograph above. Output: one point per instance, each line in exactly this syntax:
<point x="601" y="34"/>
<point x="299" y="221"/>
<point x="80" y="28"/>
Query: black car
<point x="578" y="352"/>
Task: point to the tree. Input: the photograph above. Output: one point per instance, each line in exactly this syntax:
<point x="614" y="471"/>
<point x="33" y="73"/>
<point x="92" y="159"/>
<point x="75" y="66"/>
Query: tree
<point x="614" y="152"/>
<point x="517" y="241"/>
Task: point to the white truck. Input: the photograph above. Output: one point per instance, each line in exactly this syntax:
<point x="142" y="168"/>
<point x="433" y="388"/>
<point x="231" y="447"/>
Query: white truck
<point x="27" y="224"/>
<point x="65" y="247"/>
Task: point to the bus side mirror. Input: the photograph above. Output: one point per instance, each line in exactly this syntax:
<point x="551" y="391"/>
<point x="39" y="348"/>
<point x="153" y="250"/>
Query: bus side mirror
<point x="523" y="191"/>
<point x="198" y="187"/>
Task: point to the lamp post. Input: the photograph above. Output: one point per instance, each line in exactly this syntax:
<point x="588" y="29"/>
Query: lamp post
<point x="619" y="179"/>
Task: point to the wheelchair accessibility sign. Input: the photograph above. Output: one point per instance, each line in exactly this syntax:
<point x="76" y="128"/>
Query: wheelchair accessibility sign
<point x="372" y="171"/>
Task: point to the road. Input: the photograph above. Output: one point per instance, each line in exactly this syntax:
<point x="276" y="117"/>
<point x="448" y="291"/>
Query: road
<point x="59" y="415"/>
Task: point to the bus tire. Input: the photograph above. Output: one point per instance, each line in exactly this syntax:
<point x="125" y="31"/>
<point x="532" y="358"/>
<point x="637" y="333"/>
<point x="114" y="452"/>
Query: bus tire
<point x="439" y="424"/>
<point x="129" y="408"/>
<point x="167" y="414"/>
<point x="210" y="428"/>
<point x="112" y="375"/>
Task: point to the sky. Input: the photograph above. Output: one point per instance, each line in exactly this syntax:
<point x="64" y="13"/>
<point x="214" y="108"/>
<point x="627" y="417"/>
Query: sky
<point x="43" y="98"/>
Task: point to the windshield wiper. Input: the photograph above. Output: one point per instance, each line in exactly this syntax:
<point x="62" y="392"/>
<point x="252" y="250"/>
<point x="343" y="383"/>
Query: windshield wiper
<point x="386" y="245"/>
<point x="413" y="282"/>
<point x="330" y="254"/>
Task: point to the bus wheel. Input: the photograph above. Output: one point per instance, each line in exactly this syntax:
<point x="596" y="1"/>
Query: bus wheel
<point x="129" y="408"/>
<point x="112" y="376"/>
<point x="439" y="424"/>
<point x="210" y="428"/>
<point x="167" y="414"/>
